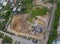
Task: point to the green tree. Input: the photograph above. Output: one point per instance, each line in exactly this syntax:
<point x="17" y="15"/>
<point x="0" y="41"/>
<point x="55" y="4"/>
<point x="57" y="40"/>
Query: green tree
<point x="7" y="39"/>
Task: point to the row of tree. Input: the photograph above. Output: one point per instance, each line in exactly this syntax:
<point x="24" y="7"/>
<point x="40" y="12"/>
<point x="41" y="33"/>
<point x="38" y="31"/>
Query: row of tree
<point x="53" y="32"/>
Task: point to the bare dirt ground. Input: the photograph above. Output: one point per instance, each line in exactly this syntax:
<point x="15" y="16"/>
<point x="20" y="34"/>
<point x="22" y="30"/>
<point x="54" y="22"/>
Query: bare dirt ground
<point x="21" y="26"/>
<point x="19" y="23"/>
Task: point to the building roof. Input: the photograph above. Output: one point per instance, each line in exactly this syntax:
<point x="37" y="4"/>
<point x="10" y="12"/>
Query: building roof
<point x="4" y="3"/>
<point x="14" y="9"/>
<point x="0" y="7"/>
<point x="56" y="42"/>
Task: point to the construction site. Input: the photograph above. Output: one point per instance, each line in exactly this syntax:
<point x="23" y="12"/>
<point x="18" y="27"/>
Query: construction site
<point x="21" y="26"/>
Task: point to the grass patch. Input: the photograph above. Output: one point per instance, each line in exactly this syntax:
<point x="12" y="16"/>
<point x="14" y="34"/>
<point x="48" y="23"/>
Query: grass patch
<point x="38" y="11"/>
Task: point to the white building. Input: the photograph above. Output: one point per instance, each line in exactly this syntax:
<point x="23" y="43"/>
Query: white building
<point x="3" y="2"/>
<point x="0" y="7"/>
<point x="14" y="9"/>
<point x="19" y="9"/>
<point x="57" y="41"/>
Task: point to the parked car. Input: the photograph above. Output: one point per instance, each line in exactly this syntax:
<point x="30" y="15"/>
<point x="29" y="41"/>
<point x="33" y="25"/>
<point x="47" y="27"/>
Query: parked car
<point x="34" y="41"/>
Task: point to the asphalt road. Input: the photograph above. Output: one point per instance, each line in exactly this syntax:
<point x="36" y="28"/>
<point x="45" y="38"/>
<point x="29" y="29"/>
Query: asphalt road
<point x="16" y="38"/>
<point x="51" y="20"/>
<point x="47" y="33"/>
<point x="52" y="13"/>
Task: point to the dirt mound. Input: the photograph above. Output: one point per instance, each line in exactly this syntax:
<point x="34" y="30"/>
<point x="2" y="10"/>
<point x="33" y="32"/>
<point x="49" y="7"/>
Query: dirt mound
<point x="19" y="23"/>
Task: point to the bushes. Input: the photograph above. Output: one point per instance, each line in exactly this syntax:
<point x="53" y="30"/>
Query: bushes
<point x="7" y="15"/>
<point x="1" y="35"/>
<point x="50" y="1"/>
<point x="26" y="6"/>
<point x="52" y="36"/>
<point x="7" y="39"/>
